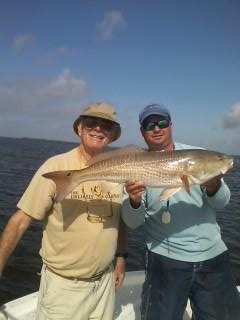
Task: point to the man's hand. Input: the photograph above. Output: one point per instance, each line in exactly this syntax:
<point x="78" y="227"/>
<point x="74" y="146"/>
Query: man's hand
<point x="135" y="190"/>
<point x="12" y="234"/>
<point x="213" y="185"/>
<point x="119" y="272"/>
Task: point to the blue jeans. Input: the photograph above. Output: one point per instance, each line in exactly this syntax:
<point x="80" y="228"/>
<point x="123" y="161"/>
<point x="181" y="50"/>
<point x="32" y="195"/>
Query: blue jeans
<point x="209" y="285"/>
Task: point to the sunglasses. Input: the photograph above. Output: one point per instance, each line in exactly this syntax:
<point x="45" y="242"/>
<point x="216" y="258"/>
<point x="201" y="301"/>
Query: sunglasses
<point x="105" y="125"/>
<point x="149" y="125"/>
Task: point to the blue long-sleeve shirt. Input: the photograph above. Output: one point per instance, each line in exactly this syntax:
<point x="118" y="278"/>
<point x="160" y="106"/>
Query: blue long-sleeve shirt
<point x="193" y="233"/>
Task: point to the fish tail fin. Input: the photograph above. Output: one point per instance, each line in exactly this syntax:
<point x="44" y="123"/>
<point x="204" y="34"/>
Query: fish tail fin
<point x="63" y="181"/>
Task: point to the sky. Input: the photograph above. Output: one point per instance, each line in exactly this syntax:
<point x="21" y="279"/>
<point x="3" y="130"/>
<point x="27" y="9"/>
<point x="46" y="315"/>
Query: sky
<point x="56" y="56"/>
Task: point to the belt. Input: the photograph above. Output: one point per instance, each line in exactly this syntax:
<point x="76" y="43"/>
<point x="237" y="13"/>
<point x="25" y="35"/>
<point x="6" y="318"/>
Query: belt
<point x="95" y="277"/>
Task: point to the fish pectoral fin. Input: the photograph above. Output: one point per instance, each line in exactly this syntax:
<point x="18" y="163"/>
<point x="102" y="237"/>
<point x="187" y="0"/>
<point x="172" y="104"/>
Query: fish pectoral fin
<point x="167" y="193"/>
<point x="185" y="182"/>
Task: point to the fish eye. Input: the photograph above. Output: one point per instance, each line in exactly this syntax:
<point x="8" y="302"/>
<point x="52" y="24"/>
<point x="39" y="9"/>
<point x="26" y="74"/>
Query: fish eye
<point x="219" y="157"/>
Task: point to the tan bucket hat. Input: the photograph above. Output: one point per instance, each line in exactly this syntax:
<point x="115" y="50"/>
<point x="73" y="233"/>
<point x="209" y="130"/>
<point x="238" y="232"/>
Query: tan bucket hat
<point x="99" y="110"/>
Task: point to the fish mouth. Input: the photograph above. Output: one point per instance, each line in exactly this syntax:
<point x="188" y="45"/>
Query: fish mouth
<point x="230" y="162"/>
<point x="228" y="166"/>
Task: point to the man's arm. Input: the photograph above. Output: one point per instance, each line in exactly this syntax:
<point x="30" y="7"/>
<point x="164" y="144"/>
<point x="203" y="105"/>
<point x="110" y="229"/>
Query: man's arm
<point x="120" y="262"/>
<point x="133" y="211"/>
<point x="11" y="235"/>
<point x="217" y="192"/>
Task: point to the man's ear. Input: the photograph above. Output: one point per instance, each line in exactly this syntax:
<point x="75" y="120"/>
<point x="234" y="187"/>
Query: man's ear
<point x="79" y="129"/>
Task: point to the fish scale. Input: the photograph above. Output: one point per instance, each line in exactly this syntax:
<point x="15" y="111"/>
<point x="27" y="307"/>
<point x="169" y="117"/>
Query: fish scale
<point x="142" y="167"/>
<point x="169" y="169"/>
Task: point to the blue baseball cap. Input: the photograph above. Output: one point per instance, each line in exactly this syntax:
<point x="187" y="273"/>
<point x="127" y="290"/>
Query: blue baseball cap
<point x="151" y="109"/>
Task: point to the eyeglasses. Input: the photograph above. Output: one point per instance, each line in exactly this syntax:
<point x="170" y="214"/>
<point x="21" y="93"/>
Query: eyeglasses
<point x="149" y="125"/>
<point x="92" y="122"/>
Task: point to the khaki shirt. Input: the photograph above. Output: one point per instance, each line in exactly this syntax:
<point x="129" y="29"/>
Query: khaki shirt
<point x="80" y="233"/>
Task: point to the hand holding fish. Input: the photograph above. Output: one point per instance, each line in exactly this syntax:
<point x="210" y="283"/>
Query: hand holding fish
<point x="213" y="185"/>
<point x="135" y="190"/>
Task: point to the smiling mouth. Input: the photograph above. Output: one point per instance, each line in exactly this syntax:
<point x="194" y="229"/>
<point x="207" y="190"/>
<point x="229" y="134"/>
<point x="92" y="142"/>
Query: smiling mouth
<point x="97" y="136"/>
<point x="158" y="136"/>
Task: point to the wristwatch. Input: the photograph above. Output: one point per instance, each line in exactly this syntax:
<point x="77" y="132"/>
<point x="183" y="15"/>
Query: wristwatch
<point x="121" y="255"/>
<point x="207" y="193"/>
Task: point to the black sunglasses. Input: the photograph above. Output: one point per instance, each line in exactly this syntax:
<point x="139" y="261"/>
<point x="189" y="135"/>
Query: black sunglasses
<point x="149" y="125"/>
<point x="92" y="122"/>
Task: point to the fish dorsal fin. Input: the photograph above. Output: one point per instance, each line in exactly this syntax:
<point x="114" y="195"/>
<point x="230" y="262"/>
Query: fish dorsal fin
<point x="129" y="149"/>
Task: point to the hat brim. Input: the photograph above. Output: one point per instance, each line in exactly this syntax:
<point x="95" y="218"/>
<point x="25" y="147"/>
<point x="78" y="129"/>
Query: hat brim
<point x="160" y="114"/>
<point x="117" y="128"/>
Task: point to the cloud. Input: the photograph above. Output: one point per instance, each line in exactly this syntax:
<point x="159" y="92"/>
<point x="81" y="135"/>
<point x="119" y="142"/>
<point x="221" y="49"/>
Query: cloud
<point x="22" y="40"/>
<point x="65" y="85"/>
<point x="232" y="119"/>
<point x="113" y="22"/>
<point x="65" y="50"/>
<point x="57" y="53"/>
<point x="49" y="97"/>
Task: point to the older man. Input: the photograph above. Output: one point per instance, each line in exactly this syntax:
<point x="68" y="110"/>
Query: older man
<point x="80" y="234"/>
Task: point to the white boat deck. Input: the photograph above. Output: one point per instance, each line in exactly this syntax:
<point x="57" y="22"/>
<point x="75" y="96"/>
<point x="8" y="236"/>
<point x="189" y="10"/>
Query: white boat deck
<point x="127" y="302"/>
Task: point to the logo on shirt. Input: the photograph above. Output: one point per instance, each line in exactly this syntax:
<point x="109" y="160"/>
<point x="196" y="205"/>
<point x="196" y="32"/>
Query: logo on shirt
<point x="94" y="192"/>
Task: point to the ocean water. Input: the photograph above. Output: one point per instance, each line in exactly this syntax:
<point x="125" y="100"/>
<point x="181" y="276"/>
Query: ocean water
<point x="19" y="159"/>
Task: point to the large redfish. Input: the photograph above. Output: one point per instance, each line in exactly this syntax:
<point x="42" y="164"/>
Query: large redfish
<point x="170" y="170"/>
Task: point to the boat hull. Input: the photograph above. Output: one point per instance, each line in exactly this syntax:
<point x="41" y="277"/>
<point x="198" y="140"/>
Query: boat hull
<point x="127" y="302"/>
